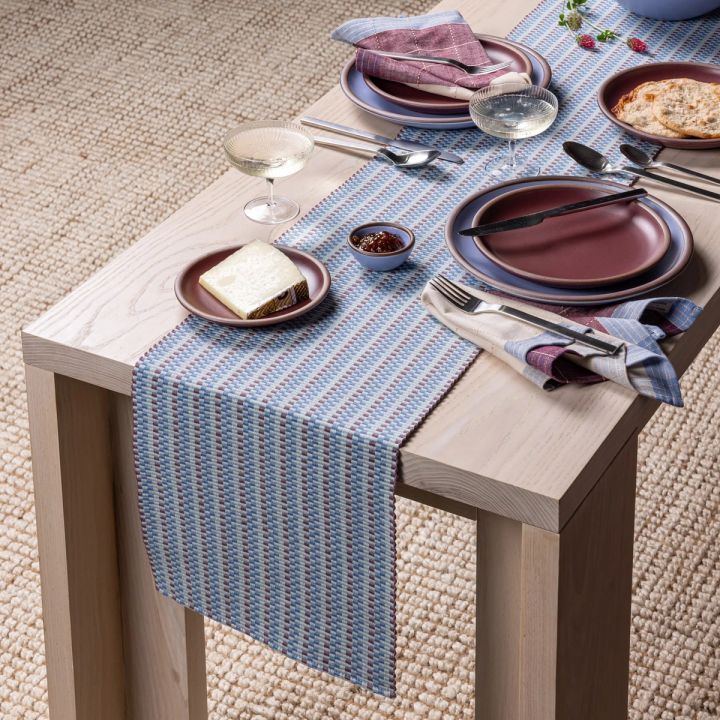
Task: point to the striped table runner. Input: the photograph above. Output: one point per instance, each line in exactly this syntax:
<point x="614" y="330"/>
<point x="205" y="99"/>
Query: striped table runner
<point x="266" y="459"/>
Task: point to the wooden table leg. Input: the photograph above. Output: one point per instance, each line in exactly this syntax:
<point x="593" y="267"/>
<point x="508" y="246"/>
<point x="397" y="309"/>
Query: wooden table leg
<point x="553" y="609"/>
<point x="96" y="624"/>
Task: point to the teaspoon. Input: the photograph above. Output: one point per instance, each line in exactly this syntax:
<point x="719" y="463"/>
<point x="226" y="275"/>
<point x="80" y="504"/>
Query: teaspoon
<point x="642" y="159"/>
<point x="394" y="155"/>
<point x="598" y="163"/>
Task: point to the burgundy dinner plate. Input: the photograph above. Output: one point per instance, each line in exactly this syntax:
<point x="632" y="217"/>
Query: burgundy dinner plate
<point x="626" y="80"/>
<point x="498" y="50"/>
<point x="468" y="255"/>
<point x="195" y="298"/>
<point x="591" y="248"/>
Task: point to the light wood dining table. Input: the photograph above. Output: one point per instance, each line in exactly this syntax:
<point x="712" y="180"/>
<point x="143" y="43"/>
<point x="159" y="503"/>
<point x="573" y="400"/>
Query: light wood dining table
<point x="549" y="478"/>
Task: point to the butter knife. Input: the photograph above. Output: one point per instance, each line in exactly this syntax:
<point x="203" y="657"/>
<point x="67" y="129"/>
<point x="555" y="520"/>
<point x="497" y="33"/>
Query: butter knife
<point x="536" y="218"/>
<point x="379" y="139"/>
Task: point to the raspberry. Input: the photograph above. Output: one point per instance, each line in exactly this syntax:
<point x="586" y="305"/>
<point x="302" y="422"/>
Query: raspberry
<point x="585" y="41"/>
<point x="637" y="45"/>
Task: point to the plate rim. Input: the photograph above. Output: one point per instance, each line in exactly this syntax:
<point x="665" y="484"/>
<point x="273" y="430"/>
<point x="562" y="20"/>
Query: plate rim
<point x="554" y="299"/>
<point x="678" y="143"/>
<point x="256" y="322"/>
<point x="437" y="122"/>
<point x="546" y="280"/>
<point x="458" y="104"/>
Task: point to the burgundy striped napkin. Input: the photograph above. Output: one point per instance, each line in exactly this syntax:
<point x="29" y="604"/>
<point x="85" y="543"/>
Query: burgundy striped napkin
<point x="550" y="360"/>
<point x="442" y="34"/>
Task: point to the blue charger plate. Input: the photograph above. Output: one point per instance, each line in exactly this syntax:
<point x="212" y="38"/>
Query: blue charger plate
<point x="476" y="263"/>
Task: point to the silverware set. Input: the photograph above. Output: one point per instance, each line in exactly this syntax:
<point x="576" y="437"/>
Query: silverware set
<point x="397" y="156"/>
<point x="407" y="154"/>
<point x="468" y="303"/>
<point x="600" y="164"/>
<point x="387" y="142"/>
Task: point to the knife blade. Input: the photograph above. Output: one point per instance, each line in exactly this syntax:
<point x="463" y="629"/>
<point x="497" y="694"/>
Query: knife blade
<point x="380" y="139"/>
<point x="668" y="181"/>
<point x="536" y="218"/>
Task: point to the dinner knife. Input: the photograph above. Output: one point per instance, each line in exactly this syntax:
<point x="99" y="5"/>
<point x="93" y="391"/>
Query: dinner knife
<point x="536" y="218"/>
<point x="380" y="139"/>
<point x="632" y="170"/>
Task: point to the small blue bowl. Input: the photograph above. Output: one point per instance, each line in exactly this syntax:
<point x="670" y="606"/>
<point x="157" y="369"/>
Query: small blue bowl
<point x="383" y="261"/>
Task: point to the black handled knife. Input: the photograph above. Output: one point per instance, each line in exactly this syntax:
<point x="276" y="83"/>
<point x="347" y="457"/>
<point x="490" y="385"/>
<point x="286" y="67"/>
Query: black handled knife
<point x="669" y="181"/>
<point x="536" y="218"/>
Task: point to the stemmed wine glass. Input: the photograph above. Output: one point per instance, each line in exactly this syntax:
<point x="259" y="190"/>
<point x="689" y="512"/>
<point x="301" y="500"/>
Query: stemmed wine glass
<point x="513" y="111"/>
<point x="271" y="150"/>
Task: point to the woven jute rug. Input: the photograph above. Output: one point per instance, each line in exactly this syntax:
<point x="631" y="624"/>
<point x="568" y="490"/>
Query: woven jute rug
<point x="110" y="117"/>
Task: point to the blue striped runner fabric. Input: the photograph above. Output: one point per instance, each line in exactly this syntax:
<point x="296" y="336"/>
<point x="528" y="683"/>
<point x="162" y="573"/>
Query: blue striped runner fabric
<point x="266" y="459"/>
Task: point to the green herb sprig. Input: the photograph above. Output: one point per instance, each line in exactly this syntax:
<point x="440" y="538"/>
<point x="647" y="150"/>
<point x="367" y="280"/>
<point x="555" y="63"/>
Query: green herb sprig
<point x="574" y="16"/>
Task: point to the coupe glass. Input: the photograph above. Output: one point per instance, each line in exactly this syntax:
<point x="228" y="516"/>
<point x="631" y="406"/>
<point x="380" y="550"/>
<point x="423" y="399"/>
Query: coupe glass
<point x="271" y="150"/>
<point x="513" y="111"/>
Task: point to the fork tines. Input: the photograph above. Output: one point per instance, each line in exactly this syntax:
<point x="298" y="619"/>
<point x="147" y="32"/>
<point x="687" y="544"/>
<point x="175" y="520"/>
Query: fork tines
<point x="452" y="292"/>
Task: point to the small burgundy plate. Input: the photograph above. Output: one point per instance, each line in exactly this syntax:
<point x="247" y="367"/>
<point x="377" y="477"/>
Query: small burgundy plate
<point x="498" y="50"/>
<point x="623" y="82"/>
<point x="197" y="300"/>
<point x="592" y="248"/>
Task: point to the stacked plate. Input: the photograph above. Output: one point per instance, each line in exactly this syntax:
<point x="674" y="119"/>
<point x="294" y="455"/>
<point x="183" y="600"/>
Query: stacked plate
<point x="405" y="105"/>
<point x="604" y="255"/>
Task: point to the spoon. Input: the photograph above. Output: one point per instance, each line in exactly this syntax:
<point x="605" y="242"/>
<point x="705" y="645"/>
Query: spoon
<point x="395" y="156"/>
<point x="598" y="163"/>
<point x="642" y="159"/>
<point x="407" y="158"/>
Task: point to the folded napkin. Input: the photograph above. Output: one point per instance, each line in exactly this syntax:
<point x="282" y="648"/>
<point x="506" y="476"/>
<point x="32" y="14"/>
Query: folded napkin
<point x="441" y="34"/>
<point x="550" y="360"/>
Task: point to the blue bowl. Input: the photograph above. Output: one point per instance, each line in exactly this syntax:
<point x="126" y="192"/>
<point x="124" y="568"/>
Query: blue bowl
<point x="670" y="9"/>
<point x="383" y="261"/>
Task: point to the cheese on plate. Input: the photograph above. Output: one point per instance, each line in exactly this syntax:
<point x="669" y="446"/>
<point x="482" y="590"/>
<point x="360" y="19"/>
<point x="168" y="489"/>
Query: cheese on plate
<point x="256" y="280"/>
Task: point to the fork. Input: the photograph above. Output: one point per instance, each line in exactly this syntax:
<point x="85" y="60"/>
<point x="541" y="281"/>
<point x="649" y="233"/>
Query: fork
<point x="468" y="69"/>
<point x="473" y="306"/>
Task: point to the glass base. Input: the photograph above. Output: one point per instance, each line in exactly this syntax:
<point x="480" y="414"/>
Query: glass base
<point x="281" y="210"/>
<point x="501" y="167"/>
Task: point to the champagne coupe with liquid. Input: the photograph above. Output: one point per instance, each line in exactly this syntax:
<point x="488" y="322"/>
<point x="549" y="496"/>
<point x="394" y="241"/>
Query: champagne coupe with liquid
<point x="513" y="111"/>
<point x="271" y="150"/>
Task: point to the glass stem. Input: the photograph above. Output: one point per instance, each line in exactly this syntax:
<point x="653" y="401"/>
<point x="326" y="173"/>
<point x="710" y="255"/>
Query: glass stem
<point x="512" y="144"/>
<point x="271" y="192"/>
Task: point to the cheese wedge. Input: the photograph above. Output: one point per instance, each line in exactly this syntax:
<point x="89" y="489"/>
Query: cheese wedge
<point x="256" y="280"/>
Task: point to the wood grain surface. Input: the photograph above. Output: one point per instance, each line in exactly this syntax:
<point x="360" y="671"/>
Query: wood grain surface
<point x="553" y="609"/>
<point x="496" y="442"/>
<point x="70" y="435"/>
